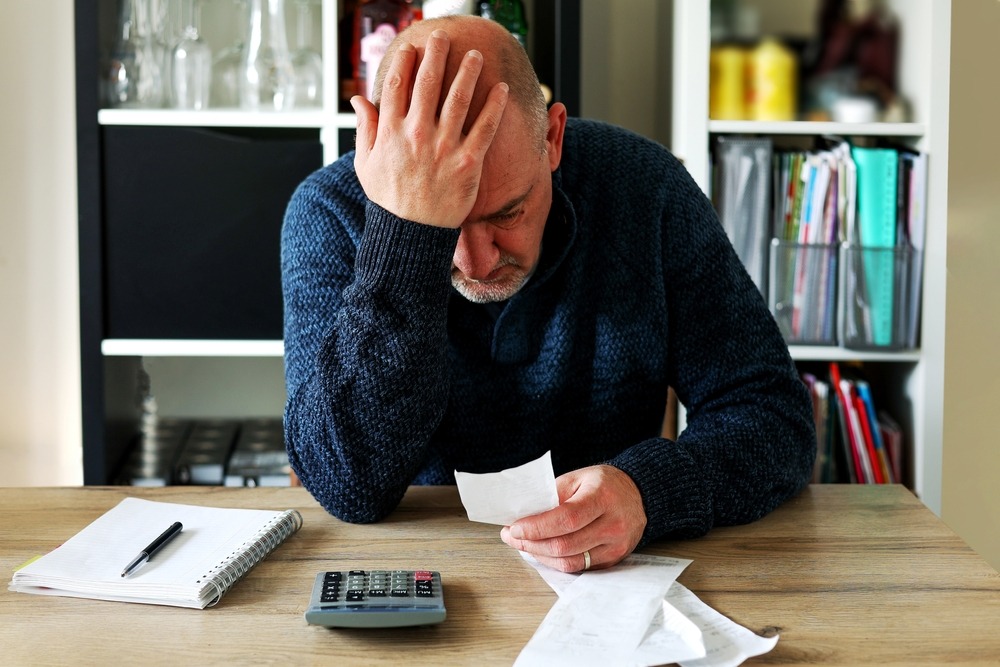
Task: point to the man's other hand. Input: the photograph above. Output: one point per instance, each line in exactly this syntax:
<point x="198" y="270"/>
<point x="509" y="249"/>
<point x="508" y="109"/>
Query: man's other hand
<point x="600" y="513"/>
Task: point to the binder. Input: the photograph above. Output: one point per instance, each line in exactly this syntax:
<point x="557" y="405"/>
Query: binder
<point x="881" y="456"/>
<point x="877" y="173"/>
<point x="916" y="225"/>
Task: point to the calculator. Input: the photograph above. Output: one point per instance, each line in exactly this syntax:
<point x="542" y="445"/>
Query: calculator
<point x="376" y="599"/>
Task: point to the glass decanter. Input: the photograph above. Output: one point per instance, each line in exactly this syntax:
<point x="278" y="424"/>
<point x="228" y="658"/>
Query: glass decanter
<point x="267" y="79"/>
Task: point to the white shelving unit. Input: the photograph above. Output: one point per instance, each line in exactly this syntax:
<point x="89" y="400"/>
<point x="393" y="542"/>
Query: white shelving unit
<point x="328" y="119"/>
<point x="916" y="377"/>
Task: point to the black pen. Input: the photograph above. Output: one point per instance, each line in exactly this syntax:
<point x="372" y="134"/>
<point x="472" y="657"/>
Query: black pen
<point x="156" y="545"/>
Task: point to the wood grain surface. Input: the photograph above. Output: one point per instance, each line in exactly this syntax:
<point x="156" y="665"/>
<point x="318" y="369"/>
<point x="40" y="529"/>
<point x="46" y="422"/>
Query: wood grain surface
<point x="847" y="575"/>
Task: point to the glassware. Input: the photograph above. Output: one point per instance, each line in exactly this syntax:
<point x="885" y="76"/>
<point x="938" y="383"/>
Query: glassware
<point x="307" y="64"/>
<point x="191" y="66"/>
<point x="227" y="67"/>
<point x="134" y="73"/>
<point x="267" y="80"/>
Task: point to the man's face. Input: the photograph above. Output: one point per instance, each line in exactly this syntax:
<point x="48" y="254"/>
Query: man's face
<point x="501" y="240"/>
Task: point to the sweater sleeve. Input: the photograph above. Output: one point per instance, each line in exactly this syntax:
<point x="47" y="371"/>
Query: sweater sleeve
<point x="365" y="347"/>
<point x="749" y="443"/>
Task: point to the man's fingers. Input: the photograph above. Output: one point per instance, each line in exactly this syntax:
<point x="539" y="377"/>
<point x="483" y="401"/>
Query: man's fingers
<point x="556" y="523"/>
<point x="456" y="104"/>
<point x="395" y="94"/>
<point x="485" y="126"/>
<point x="367" y="124"/>
<point x="576" y="562"/>
<point x="430" y="76"/>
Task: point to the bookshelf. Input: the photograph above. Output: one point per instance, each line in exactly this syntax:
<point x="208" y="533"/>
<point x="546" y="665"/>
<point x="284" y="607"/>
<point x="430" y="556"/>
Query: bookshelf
<point x="179" y="221"/>
<point x="913" y="381"/>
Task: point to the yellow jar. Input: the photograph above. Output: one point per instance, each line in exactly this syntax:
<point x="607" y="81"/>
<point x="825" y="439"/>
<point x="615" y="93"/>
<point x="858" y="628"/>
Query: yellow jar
<point x="772" y="82"/>
<point x="726" y="88"/>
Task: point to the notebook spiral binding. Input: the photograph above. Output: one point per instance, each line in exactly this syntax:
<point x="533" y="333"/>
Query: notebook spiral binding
<point x="240" y="562"/>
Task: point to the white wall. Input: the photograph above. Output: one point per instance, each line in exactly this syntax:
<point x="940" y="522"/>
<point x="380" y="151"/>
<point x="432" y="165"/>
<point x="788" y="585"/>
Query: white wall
<point x="971" y="465"/>
<point x="625" y="64"/>
<point x="40" y="441"/>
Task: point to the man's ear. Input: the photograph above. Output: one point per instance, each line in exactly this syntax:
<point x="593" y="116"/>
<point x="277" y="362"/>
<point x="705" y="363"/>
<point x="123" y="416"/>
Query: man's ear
<point x="554" y="135"/>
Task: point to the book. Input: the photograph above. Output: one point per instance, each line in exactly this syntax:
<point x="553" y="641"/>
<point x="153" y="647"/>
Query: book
<point x="877" y="170"/>
<point x="215" y="549"/>
<point x="865" y="393"/>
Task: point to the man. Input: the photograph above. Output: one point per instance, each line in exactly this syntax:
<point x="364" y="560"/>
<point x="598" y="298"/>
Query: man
<point x="484" y="281"/>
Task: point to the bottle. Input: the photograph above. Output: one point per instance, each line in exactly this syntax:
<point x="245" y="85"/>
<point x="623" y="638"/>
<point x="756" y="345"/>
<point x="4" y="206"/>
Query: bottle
<point x="346" y="69"/>
<point x="268" y="80"/>
<point x="376" y="24"/>
<point x="509" y="14"/>
<point x="726" y="82"/>
<point x="772" y="82"/>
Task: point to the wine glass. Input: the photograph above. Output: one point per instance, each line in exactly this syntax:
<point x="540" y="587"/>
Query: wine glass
<point x="191" y="65"/>
<point x="306" y="62"/>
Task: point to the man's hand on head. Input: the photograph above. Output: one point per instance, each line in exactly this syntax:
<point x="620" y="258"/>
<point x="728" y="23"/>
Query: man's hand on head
<point x="410" y="160"/>
<point x="600" y="513"/>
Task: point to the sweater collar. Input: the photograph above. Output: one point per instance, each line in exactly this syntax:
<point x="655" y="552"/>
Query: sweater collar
<point x="557" y="239"/>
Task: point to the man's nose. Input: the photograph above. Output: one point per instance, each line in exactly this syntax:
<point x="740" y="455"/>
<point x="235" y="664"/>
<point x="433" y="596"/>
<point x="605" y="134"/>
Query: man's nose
<point x="476" y="254"/>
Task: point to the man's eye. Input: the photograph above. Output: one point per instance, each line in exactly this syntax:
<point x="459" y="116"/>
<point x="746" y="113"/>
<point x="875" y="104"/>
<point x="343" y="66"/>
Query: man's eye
<point x="507" y="219"/>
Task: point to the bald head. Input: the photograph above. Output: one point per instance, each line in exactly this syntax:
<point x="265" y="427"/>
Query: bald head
<point x="504" y="60"/>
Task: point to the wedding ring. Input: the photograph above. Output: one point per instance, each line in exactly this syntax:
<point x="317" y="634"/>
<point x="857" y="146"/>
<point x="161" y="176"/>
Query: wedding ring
<point x="586" y="560"/>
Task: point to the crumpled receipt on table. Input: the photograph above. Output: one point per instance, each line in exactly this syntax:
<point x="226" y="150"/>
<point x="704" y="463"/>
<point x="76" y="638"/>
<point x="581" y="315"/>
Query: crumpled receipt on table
<point x="682" y="630"/>
<point x="506" y="496"/>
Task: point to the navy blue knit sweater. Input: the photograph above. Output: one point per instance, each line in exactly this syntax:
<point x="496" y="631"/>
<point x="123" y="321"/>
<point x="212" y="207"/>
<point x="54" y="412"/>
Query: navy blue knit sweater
<point x="394" y="379"/>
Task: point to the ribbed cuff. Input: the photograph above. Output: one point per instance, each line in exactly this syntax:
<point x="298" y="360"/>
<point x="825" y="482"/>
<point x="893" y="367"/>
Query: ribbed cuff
<point x="673" y="494"/>
<point x="400" y="255"/>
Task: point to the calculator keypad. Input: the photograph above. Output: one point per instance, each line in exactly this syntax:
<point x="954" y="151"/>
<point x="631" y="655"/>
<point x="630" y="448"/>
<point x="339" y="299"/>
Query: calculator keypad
<point x="376" y="598"/>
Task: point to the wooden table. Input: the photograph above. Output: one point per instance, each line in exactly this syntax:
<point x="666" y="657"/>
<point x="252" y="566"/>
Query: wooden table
<point x="846" y="574"/>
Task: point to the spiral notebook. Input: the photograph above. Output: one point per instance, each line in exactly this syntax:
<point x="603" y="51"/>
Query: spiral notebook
<point x="215" y="549"/>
